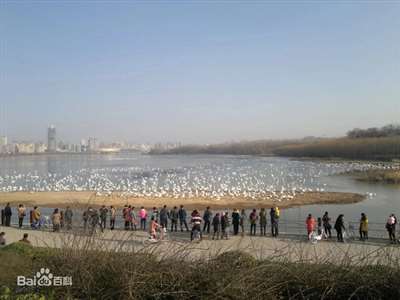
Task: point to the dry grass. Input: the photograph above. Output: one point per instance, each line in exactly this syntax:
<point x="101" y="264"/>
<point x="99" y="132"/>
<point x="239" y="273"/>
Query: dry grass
<point x="378" y="176"/>
<point x="155" y="272"/>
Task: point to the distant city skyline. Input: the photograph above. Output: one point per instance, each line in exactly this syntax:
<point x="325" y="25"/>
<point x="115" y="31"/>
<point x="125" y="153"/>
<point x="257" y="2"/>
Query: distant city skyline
<point x="197" y="72"/>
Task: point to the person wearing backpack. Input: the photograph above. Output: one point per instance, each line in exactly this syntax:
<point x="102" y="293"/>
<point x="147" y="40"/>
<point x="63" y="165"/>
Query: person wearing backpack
<point x="253" y="221"/>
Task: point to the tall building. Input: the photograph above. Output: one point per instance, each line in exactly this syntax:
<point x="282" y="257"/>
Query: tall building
<point x="51" y="139"/>
<point x="3" y="144"/>
<point x="93" y="145"/>
<point x="3" y="141"/>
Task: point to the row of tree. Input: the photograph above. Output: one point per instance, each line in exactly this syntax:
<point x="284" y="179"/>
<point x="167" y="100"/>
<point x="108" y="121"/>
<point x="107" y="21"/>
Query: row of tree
<point x="385" y="131"/>
<point x="384" y="148"/>
<point x="261" y="147"/>
<point x="373" y="143"/>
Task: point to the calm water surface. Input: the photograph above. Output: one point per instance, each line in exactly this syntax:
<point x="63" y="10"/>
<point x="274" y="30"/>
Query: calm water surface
<point x="208" y="175"/>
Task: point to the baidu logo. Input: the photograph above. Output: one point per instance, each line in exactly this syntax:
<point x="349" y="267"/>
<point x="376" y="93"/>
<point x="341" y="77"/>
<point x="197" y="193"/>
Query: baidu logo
<point x="44" y="278"/>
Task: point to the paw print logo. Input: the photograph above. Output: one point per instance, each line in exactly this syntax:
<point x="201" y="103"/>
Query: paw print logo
<point x="44" y="277"/>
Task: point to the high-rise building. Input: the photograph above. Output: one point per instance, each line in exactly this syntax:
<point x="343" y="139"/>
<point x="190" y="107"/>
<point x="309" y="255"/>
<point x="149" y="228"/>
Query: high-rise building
<point x="93" y="145"/>
<point x="51" y="139"/>
<point x="3" y="141"/>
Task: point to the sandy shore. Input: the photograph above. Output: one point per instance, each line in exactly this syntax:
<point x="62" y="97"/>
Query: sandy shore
<point x="83" y="199"/>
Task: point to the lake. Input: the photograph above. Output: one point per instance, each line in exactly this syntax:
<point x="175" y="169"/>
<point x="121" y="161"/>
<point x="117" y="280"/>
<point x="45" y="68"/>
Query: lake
<point x="206" y="175"/>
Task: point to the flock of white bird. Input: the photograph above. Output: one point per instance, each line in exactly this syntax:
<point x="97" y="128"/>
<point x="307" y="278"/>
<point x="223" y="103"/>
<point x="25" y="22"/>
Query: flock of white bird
<point x="250" y="178"/>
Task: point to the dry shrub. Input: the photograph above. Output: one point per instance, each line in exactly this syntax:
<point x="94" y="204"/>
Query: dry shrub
<point x="157" y="273"/>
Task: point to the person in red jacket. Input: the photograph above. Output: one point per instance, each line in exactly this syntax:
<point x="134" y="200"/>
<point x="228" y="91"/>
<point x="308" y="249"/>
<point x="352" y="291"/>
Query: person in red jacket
<point x="310" y="223"/>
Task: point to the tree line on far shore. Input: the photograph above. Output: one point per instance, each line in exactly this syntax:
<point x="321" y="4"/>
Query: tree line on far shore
<point x="385" y="131"/>
<point x="372" y="143"/>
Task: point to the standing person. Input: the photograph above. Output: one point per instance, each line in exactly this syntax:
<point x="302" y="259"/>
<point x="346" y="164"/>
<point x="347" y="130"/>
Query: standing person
<point x="363" y="227"/>
<point x="133" y="219"/>
<point x="164" y="217"/>
<point x="253" y="222"/>
<point x="103" y="217"/>
<point x="327" y="225"/>
<point x="235" y="221"/>
<point x="154" y="214"/>
<point x="339" y="227"/>
<point x="319" y="224"/>
<point x="207" y="219"/>
<point x="391" y="228"/>
<point x="274" y="222"/>
<point x="56" y="220"/>
<point x="263" y="222"/>
<point x="243" y="218"/>
<point x="126" y="216"/>
<point x="21" y="215"/>
<point x="216" y="222"/>
<point x="7" y="214"/>
<point x="310" y="223"/>
<point x="62" y="220"/>
<point x="196" y="224"/>
<point x="182" y="218"/>
<point x="85" y="218"/>
<point x="225" y="225"/>
<point x="2" y="217"/>
<point x="94" y="220"/>
<point x="277" y="212"/>
<point x="36" y="218"/>
<point x="173" y="214"/>
<point x="68" y="217"/>
<point x="143" y="218"/>
<point x="113" y="215"/>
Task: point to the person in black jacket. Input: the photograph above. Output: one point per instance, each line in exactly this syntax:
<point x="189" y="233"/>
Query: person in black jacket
<point x="327" y="225"/>
<point x="274" y="222"/>
<point x="216" y="225"/>
<point x="235" y="221"/>
<point x="7" y="214"/>
<point x="339" y="227"/>
<point x="207" y="219"/>
<point x="182" y="218"/>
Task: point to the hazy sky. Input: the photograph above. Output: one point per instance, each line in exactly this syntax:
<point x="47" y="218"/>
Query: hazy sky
<point x="198" y="72"/>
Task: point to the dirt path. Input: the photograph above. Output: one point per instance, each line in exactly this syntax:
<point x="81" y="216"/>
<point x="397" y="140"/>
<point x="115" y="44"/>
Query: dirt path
<point x="293" y="248"/>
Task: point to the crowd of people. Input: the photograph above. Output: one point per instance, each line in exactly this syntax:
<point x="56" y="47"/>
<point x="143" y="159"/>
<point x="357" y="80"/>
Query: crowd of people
<point x="217" y="225"/>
